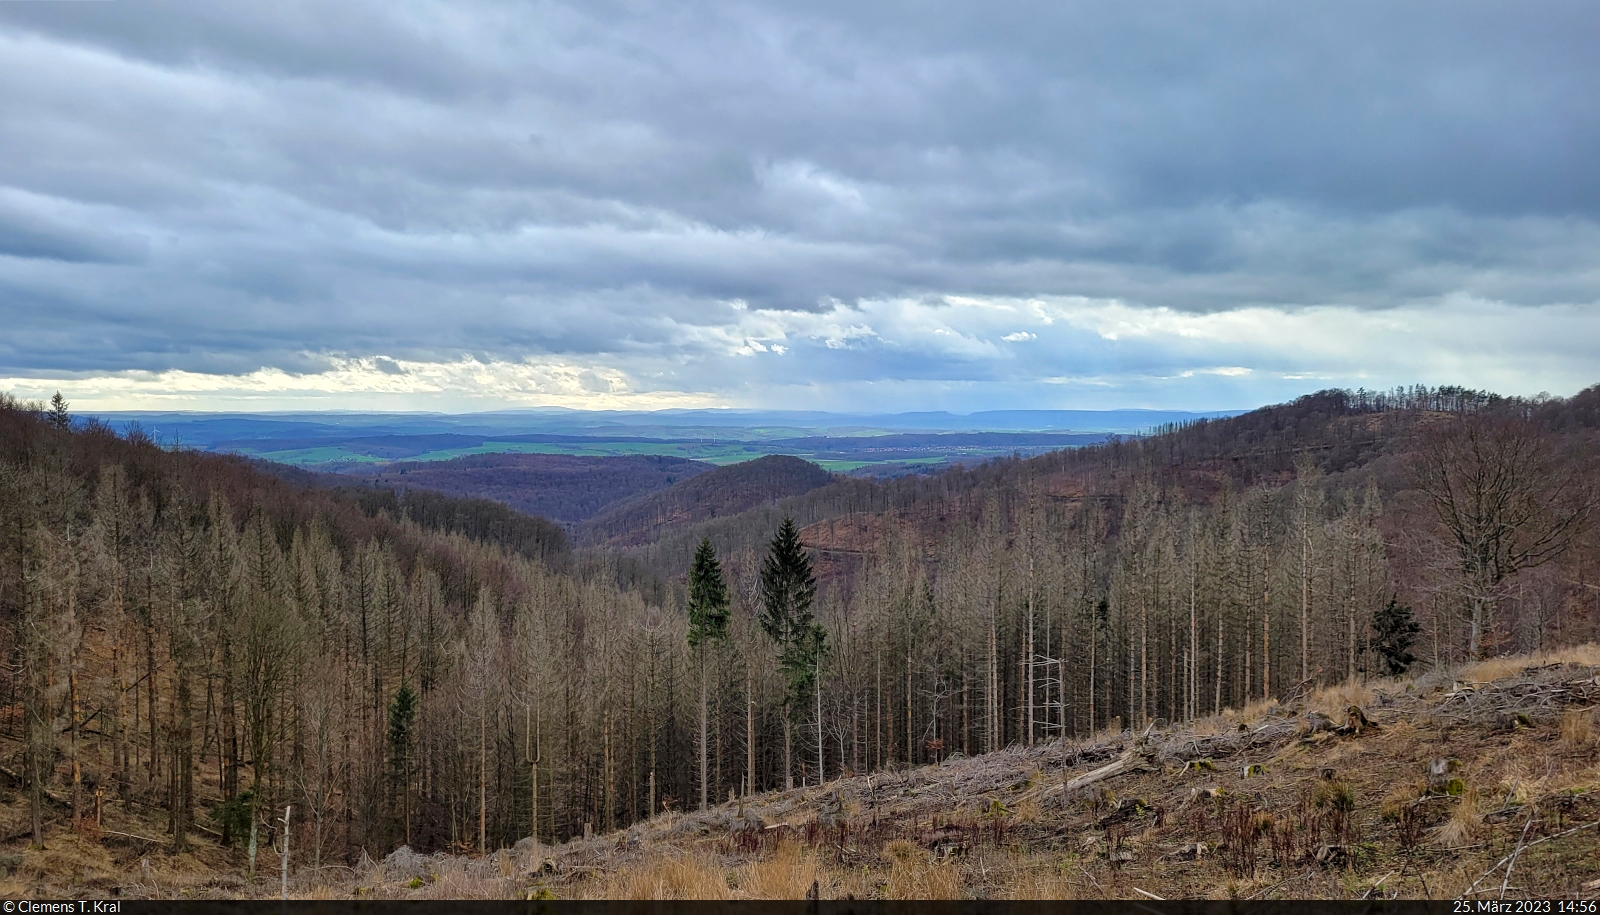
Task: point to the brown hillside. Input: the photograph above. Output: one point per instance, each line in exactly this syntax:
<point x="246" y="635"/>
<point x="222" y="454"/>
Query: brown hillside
<point x="561" y="487"/>
<point x="1263" y="804"/>
<point x="719" y="493"/>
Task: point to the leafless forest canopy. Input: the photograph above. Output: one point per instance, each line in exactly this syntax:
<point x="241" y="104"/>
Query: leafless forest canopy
<point x="188" y="633"/>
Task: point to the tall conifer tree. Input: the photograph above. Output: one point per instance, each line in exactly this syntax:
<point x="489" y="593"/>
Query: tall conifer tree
<point x="708" y="623"/>
<point x="787" y="589"/>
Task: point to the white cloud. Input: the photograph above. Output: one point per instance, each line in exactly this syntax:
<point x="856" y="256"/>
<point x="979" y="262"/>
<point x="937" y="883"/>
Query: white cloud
<point x="373" y="383"/>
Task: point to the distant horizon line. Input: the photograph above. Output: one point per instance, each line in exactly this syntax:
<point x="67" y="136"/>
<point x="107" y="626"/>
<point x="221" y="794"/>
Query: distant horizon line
<point x="666" y="410"/>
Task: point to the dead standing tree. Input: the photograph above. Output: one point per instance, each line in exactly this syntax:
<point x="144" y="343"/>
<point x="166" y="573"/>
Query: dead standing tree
<point x="1506" y="499"/>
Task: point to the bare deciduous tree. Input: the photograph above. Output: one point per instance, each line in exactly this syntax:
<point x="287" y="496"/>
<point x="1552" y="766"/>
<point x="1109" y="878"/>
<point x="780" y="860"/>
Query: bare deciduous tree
<point x="1507" y="501"/>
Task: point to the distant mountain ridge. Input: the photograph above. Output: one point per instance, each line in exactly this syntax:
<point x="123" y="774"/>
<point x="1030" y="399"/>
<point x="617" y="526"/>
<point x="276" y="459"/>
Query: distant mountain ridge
<point x="208" y="430"/>
<point x="722" y="492"/>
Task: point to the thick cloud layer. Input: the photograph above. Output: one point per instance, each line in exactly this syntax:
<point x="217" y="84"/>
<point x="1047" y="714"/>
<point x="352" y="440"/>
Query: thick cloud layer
<point x="841" y="205"/>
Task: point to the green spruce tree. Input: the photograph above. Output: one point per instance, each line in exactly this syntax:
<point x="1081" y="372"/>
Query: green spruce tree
<point x="58" y="415"/>
<point x="787" y="589"/>
<point x="708" y="623"/>
<point x="402" y="722"/>
<point x="1394" y="631"/>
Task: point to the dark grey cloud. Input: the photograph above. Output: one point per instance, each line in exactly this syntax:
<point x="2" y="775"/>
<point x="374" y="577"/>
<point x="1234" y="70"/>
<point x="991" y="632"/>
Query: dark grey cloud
<point x="222" y="187"/>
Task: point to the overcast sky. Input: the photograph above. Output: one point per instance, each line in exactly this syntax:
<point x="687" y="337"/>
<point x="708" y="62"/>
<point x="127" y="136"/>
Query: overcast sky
<point x="820" y="205"/>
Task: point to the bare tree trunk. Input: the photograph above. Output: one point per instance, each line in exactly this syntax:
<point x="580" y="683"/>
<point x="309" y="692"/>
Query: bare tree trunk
<point x="1094" y="641"/>
<point x="119" y="742"/>
<point x="1305" y="602"/>
<point x="284" y="874"/>
<point x="1249" y="654"/>
<point x="966" y="730"/>
<point x="1133" y="674"/>
<point x="877" y="709"/>
<point x="72" y="737"/>
<point x="705" y="784"/>
<point x="250" y="871"/>
<point x="1266" y="620"/>
<point x="1028" y="648"/>
<point x="788" y="767"/>
<point x="38" y="733"/>
<point x="1144" y="662"/>
<point x="150" y="692"/>
<point x="994" y="678"/>
<point x="821" y="768"/>
<point x="182" y="762"/>
<point x="533" y="782"/>
<point x="856" y="735"/>
<point x="1216" y="702"/>
<point x="483" y="776"/>
<point x="1350" y="614"/>
<point x="909" y="760"/>
<point x="610" y="785"/>
<point x="1061" y="693"/>
<point x="1193" y="667"/>
<point x="749" y="730"/>
<point x="1475" y="633"/>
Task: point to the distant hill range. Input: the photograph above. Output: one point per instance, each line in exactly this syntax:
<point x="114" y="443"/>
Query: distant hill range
<point x="721" y="493"/>
<point x="215" y="431"/>
<point x="563" y="488"/>
<point x="882" y="445"/>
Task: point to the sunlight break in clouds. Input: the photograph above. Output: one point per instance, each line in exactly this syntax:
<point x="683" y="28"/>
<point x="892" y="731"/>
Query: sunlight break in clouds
<point x="367" y="384"/>
<point x="958" y="353"/>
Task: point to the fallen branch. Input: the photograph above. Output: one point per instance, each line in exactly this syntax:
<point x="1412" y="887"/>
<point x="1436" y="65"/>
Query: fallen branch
<point x="48" y="794"/>
<point x="1474" y="887"/>
<point x="1375" y="886"/>
<point x="129" y="835"/>
<point x="1521" y="844"/>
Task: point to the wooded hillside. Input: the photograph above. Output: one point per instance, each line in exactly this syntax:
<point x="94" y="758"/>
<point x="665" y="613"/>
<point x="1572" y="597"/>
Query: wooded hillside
<point x="189" y="634"/>
<point x="563" y="488"/>
<point x="723" y="492"/>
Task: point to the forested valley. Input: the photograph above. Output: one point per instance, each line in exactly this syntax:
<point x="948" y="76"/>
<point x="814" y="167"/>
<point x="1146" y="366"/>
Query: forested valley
<point x="203" y="642"/>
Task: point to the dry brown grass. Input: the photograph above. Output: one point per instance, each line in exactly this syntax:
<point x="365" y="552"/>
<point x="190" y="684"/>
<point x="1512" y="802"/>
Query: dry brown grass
<point x="1578" y="728"/>
<point x="1046" y="880"/>
<point x="914" y="875"/>
<point x="674" y="876"/>
<point x="463" y="878"/>
<point x="1520" y="784"/>
<point x="1397" y="800"/>
<point x="1492" y="669"/>
<point x="786" y="874"/>
<point x="68" y="858"/>
<point x="1334" y="700"/>
<point x="1027" y="810"/>
<point x="1487" y="671"/>
<point x="1255" y="711"/>
<point x="1463" y="823"/>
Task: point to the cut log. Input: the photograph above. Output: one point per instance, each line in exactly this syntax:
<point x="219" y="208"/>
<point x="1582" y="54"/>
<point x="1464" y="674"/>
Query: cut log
<point x="49" y="795"/>
<point x="1132" y="761"/>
